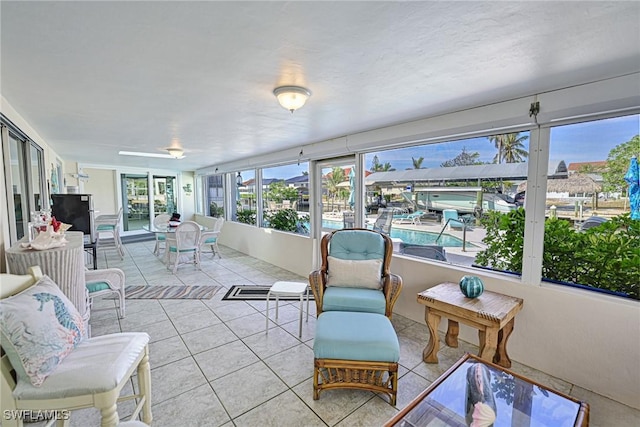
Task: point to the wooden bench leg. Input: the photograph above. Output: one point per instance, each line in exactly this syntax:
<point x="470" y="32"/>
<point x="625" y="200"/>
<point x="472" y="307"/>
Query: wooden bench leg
<point x="430" y="353"/>
<point x="452" y="334"/>
<point x="488" y="343"/>
<point x="501" y="357"/>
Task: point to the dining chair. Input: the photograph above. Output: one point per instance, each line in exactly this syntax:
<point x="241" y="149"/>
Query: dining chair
<point x="106" y="281"/>
<point x="40" y="373"/>
<point x="160" y="221"/>
<point x="210" y="238"/>
<point x="185" y="241"/>
<point x="109" y="224"/>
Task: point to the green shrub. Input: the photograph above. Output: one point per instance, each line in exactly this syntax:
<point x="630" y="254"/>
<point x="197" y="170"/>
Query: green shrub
<point x="287" y="220"/>
<point x="604" y="257"/>
<point x="247" y="216"/>
<point x="215" y="211"/>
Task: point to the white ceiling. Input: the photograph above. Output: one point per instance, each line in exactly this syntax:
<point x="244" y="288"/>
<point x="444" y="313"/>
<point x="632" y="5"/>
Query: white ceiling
<point x="93" y="78"/>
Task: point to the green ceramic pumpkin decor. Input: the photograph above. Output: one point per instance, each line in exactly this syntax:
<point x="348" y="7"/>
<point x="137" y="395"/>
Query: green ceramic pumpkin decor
<point x="471" y="286"/>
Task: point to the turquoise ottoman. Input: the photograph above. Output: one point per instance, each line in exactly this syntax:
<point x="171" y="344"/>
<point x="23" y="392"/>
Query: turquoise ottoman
<point x="355" y="350"/>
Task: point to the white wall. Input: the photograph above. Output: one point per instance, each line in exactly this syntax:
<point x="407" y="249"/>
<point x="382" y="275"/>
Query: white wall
<point x="188" y="201"/>
<point x="287" y="250"/>
<point x="582" y="337"/>
<point x="102" y="183"/>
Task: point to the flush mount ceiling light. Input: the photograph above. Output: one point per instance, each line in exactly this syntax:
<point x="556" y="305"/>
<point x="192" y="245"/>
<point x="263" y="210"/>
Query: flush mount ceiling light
<point x="176" y="152"/>
<point x="291" y="97"/>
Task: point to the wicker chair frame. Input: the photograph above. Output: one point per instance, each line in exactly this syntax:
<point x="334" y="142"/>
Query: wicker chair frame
<point x="379" y="377"/>
<point x="376" y="376"/>
<point x="391" y="283"/>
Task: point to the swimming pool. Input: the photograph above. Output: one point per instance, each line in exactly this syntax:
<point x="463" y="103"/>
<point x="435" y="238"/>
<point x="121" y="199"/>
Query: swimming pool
<point x="414" y="237"/>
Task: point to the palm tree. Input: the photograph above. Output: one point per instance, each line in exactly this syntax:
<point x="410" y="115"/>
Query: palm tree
<point x="417" y="163"/>
<point x="333" y="179"/>
<point x="376" y="166"/>
<point x="510" y="147"/>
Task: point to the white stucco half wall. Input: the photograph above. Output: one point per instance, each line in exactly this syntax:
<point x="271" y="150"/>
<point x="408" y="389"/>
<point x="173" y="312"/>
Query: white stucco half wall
<point x="586" y="338"/>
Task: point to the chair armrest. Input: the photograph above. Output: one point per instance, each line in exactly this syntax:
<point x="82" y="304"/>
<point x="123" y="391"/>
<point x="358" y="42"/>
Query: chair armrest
<point x="317" y="284"/>
<point x="391" y="287"/>
<point x="114" y="277"/>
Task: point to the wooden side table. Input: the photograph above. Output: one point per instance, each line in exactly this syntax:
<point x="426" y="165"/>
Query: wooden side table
<point x="493" y="314"/>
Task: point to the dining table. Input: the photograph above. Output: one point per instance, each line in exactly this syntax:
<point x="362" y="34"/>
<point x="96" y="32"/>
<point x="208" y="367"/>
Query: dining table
<point x="167" y="230"/>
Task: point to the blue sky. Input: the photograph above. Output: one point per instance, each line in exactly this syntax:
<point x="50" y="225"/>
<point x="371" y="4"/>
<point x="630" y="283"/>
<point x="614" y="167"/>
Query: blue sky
<point x="581" y="142"/>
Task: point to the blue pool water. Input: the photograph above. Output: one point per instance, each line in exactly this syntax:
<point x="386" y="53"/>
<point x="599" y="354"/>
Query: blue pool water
<point x="414" y="237"/>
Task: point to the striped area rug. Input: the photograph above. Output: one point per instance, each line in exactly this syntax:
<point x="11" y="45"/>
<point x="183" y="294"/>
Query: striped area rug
<point x="256" y="293"/>
<point x="170" y="292"/>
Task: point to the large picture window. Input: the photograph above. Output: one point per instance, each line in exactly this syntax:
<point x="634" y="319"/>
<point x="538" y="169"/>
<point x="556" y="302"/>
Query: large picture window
<point x="441" y="201"/>
<point x="245" y="197"/>
<point x="590" y="239"/>
<point x="214" y="195"/>
<point x="285" y="197"/>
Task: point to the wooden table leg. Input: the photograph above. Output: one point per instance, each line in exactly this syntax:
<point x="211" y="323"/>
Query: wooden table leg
<point x="452" y="334"/>
<point x="501" y="357"/>
<point x="430" y="353"/>
<point x="488" y="343"/>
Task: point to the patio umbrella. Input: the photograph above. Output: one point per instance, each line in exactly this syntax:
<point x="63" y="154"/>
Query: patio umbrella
<point x="239" y="184"/>
<point x="633" y="179"/>
<point x="352" y="187"/>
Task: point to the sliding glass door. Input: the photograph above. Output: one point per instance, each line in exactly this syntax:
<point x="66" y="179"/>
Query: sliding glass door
<point x="24" y="180"/>
<point x="135" y="201"/>
<point x="164" y="195"/>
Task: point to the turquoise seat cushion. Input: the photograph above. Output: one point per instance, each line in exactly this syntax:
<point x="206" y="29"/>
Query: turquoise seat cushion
<point x="174" y="249"/>
<point x="97" y="286"/>
<point x="356" y="245"/>
<point x="210" y="240"/>
<point x="353" y="299"/>
<point x="161" y="237"/>
<point x="355" y="336"/>
<point x="105" y="227"/>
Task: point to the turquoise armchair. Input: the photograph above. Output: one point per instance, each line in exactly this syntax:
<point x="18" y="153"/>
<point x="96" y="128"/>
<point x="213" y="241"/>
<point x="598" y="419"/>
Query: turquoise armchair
<point x="355" y="273"/>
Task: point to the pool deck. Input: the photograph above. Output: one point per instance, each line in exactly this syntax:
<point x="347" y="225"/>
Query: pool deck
<point x="455" y="255"/>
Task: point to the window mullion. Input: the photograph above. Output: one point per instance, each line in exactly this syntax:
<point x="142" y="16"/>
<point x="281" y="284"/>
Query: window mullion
<point x="535" y="206"/>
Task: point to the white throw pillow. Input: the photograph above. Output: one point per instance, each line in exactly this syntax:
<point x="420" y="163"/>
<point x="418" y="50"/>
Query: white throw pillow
<point x="39" y="328"/>
<point x="355" y="273"/>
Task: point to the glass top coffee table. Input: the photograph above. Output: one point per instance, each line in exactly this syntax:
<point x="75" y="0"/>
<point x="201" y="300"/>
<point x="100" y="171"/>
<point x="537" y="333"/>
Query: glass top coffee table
<point x="480" y="392"/>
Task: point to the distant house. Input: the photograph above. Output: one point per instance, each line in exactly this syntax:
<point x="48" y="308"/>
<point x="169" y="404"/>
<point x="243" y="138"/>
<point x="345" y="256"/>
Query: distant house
<point x="587" y="167"/>
<point x="301" y="181"/>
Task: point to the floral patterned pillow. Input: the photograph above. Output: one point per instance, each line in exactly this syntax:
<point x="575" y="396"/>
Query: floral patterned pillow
<point x="39" y="328"/>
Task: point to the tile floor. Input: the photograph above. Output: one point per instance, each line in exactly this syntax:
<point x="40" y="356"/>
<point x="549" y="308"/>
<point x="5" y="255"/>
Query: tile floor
<point x="213" y="365"/>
